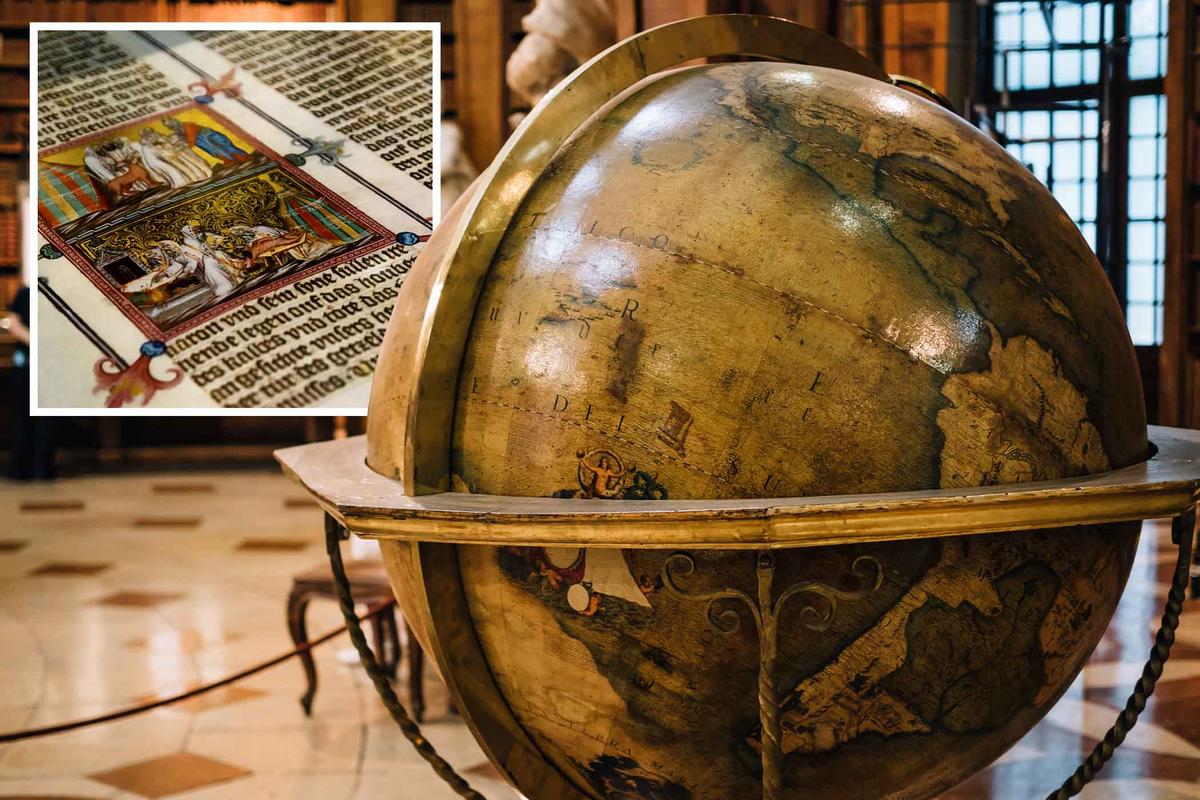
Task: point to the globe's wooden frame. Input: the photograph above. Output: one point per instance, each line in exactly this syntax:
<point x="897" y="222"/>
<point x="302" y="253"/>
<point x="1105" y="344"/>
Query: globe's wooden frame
<point x="370" y="505"/>
<point x="392" y="485"/>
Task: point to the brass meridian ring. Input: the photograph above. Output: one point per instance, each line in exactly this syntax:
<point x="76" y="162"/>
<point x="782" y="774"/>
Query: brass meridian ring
<point x="920" y="86"/>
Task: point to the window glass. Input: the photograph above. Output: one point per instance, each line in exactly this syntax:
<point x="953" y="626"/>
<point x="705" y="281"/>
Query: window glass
<point x="1146" y="208"/>
<point x="1047" y="59"/>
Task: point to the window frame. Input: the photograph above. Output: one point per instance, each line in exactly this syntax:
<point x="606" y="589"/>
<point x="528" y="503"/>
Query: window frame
<point x="1112" y="93"/>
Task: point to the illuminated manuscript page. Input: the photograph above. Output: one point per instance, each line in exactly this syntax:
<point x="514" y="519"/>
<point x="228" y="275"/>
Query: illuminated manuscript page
<point x="224" y="217"/>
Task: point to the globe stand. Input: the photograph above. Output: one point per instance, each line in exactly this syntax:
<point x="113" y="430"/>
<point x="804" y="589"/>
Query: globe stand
<point x="426" y="527"/>
<point x="358" y="500"/>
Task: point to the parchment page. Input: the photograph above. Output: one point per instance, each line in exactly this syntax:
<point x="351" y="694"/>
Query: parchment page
<point x="213" y="237"/>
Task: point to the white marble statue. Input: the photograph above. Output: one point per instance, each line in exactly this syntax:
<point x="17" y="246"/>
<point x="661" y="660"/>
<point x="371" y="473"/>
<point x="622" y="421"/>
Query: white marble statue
<point x="559" y="36"/>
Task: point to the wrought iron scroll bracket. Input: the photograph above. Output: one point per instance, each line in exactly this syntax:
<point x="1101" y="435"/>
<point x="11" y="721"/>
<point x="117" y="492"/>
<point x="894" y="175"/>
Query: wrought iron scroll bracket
<point x="765" y="608"/>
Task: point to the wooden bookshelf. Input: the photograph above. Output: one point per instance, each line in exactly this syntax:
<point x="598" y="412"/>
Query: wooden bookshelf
<point x="1179" y="356"/>
<point x="14" y="149"/>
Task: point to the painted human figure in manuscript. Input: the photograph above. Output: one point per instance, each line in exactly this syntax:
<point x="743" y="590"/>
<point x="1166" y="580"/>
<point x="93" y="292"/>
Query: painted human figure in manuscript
<point x="152" y="160"/>
<point x="159" y="159"/>
<point x="266" y="241"/>
<point x="185" y="159"/>
<point x="99" y="163"/>
<point x="206" y="261"/>
<point x="119" y="165"/>
<point x="211" y="141"/>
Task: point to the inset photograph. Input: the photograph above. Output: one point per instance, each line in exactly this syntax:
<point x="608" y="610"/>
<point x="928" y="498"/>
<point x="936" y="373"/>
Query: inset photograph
<point x="179" y="217"/>
<point x="227" y="224"/>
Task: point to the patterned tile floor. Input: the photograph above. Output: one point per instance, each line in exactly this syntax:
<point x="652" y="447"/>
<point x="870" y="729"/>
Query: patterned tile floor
<point x="115" y="589"/>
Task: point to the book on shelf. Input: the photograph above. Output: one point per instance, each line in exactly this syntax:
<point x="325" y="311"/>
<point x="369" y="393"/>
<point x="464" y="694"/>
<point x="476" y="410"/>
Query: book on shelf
<point x="10" y="236"/>
<point x="14" y="127"/>
<point x="10" y="177"/>
<point x="19" y="11"/>
<point x="14" y="49"/>
<point x="14" y="87"/>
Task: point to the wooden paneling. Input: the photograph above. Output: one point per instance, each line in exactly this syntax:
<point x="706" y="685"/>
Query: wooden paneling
<point x="371" y="10"/>
<point x="813" y="13"/>
<point x="627" y="16"/>
<point x="1179" y="371"/>
<point x="481" y="47"/>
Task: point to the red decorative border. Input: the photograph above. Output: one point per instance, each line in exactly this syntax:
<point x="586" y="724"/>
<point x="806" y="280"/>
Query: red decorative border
<point x="134" y="314"/>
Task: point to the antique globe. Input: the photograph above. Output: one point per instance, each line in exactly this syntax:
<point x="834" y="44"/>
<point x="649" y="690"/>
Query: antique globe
<point x="764" y="279"/>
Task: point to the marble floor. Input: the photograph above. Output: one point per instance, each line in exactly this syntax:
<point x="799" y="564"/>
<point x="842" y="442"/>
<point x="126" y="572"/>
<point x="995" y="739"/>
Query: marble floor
<point x="117" y="589"/>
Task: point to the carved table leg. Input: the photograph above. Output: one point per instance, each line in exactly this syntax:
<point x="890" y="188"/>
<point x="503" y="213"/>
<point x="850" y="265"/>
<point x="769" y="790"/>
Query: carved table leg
<point x="297" y="605"/>
<point x="379" y="640"/>
<point x="416" y="674"/>
<point x="1195" y="571"/>
<point x="393" y="641"/>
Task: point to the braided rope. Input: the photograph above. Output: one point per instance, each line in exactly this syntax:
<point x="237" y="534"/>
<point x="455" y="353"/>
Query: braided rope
<point x="1182" y="530"/>
<point x="141" y="708"/>
<point x="410" y="729"/>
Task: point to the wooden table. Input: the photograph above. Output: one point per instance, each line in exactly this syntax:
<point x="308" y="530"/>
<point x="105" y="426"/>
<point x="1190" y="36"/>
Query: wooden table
<point x="369" y="585"/>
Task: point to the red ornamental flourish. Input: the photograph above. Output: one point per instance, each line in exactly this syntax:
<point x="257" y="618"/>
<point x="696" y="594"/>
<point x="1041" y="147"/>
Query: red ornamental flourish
<point x="210" y="87"/>
<point x="126" y="385"/>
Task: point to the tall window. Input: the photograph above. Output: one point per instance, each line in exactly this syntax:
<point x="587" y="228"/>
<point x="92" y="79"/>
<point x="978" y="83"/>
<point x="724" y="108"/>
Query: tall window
<point x="1074" y="90"/>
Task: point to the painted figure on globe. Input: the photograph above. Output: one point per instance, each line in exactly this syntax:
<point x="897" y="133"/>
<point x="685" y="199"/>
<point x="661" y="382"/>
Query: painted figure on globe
<point x="602" y="474"/>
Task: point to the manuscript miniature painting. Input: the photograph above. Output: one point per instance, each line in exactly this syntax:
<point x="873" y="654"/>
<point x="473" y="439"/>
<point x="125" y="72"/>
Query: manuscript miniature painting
<point x="180" y="216"/>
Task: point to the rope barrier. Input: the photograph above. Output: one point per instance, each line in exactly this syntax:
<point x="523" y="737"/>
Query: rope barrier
<point x="50" y="730"/>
